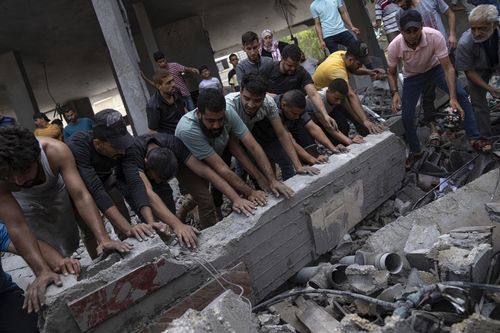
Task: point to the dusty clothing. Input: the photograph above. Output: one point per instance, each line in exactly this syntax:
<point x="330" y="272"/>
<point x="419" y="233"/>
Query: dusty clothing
<point x="52" y="131"/>
<point x="48" y="211"/>
<point x="162" y="116"/>
<point x="431" y="48"/>
<point x="332" y="68"/>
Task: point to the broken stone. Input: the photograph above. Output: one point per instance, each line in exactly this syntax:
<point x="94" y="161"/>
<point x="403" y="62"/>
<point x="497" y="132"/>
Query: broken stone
<point x="387" y="208"/>
<point x="419" y="243"/>
<point x="366" y="279"/>
<point x="352" y="323"/>
<point x="268" y="319"/>
<point x="417" y="279"/>
<point x="476" y="323"/>
<point x="287" y="328"/>
<point x="401" y="208"/>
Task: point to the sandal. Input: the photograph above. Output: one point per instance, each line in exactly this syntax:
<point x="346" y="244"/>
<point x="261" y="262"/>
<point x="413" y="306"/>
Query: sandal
<point x="435" y="140"/>
<point x="482" y="145"/>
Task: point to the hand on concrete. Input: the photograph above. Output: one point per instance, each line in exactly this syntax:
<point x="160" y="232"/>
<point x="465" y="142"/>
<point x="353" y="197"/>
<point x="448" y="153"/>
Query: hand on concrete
<point x="279" y="188"/>
<point x="358" y="139"/>
<point x="187" y="235"/>
<point x="495" y="92"/>
<point x="258" y="197"/>
<point x="68" y="266"/>
<point x="35" y="293"/>
<point x="112" y="245"/>
<point x="395" y="103"/>
<point x="243" y="206"/>
<point x="373" y="128"/>
<point x="456" y="107"/>
<point x="307" y="170"/>
<point x="378" y="73"/>
<point x="322" y="159"/>
<point x="140" y="231"/>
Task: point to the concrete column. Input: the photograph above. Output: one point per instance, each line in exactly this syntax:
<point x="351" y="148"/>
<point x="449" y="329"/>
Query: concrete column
<point x="146" y="30"/>
<point x="361" y="20"/>
<point x="22" y="99"/>
<point x="115" y="29"/>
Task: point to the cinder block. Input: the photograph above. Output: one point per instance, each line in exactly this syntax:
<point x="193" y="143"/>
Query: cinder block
<point x="419" y="243"/>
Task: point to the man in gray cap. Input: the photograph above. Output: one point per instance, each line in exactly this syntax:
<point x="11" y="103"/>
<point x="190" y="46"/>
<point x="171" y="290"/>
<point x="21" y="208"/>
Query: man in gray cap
<point x="106" y="155"/>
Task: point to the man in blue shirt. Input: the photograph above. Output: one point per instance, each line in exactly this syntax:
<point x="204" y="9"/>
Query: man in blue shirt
<point x="75" y="123"/>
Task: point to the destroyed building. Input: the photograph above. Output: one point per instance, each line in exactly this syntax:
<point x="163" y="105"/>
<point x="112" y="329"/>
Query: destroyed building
<point x="366" y="246"/>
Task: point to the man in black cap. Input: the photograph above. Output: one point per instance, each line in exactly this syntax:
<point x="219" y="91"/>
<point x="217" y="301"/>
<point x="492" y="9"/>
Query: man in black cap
<point x="104" y="156"/>
<point x="425" y="59"/>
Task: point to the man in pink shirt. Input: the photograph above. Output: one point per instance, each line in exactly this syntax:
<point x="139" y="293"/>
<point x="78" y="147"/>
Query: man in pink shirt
<point x="176" y="71"/>
<point x="424" y="55"/>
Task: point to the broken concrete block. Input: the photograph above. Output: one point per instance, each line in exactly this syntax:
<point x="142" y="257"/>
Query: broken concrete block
<point x="228" y="313"/>
<point x="268" y="319"/>
<point x="401" y="208"/>
<point x="419" y="243"/>
<point x="286" y="310"/>
<point x="476" y="323"/>
<point x="417" y="279"/>
<point x="287" y="328"/>
<point x="352" y="323"/>
<point x="366" y="279"/>
<point x="315" y="317"/>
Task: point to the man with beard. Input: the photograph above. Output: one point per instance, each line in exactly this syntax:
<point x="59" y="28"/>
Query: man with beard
<point x="38" y="188"/>
<point x="254" y="63"/>
<point x="106" y="160"/>
<point x="424" y="55"/>
<point x="209" y="129"/>
<point x="478" y="55"/>
<point x="75" y="123"/>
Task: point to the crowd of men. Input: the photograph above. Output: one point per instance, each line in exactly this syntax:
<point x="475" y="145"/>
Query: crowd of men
<point x="57" y="186"/>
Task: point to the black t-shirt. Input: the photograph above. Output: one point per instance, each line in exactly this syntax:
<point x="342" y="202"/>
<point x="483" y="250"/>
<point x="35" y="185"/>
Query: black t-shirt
<point x="163" y="117"/>
<point x="280" y="83"/>
<point x="95" y="168"/>
<point x="163" y="140"/>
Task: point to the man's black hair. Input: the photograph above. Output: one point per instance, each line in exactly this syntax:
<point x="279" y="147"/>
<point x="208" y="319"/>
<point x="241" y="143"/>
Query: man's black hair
<point x="212" y="100"/>
<point x="294" y="98"/>
<point x="158" y="55"/>
<point x="357" y="49"/>
<point x="291" y="51"/>
<point x="18" y="150"/>
<point x="162" y="162"/>
<point x="249" y="37"/>
<point x="339" y="85"/>
<point x="255" y="84"/>
<point x="232" y="55"/>
<point x="203" y="67"/>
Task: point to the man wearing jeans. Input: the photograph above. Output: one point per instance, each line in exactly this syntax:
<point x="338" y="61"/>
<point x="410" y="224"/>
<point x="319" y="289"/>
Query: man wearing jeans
<point x="478" y="55"/>
<point x="424" y="55"/>
<point x="329" y="18"/>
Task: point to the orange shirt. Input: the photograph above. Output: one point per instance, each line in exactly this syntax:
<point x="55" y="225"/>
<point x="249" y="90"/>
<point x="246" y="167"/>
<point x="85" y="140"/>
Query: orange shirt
<point x="52" y="131"/>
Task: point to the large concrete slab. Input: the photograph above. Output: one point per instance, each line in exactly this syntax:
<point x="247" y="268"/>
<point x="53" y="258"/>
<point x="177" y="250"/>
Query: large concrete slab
<point x="274" y="244"/>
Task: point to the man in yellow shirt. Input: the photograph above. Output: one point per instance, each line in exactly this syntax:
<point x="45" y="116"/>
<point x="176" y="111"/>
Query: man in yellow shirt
<point x="45" y="128"/>
<point x="338" y="65"/>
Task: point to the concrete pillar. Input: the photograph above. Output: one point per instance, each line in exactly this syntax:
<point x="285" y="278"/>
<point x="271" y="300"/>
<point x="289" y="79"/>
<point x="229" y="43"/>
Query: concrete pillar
<point x="146" y="30"/>
<point x="187" y="42"/>
<point x="116" y="32"/>
<point x="21" y="96"/>
<point x="361" y="20"/>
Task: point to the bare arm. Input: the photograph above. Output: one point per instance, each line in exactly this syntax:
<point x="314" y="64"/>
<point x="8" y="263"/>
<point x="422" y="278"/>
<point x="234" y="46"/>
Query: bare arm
<point x="356" y="109"/>
<point x="393" y="85"/>
<point x="201" y="169"/>
<point x="27" y="246"/>
<point x="319" y="32"/>
<point x="317" y="133"/>
<point x="185" y="233"/>
<point x="452" y="38"/>
<point x="151" y="83"/>
<point x="476" y="79"/>
<point x="347" y="19"/>
<point x="328" y="122"/>
<point x="449" y="73"/>
<point x="265" y="166"/>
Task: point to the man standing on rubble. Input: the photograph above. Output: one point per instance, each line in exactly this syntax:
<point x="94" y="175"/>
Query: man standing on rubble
<point x="209" y="129"/>
<point x="424" y="55"/>
<point x="478" y="55"/>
